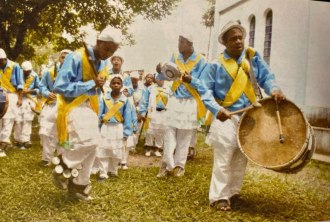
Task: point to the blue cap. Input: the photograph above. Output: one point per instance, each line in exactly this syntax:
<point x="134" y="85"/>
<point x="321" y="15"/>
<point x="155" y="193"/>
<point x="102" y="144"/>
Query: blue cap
<point x="159" y="76"/>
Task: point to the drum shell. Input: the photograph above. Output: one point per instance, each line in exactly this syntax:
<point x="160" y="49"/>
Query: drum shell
<point x="258" y="137"/>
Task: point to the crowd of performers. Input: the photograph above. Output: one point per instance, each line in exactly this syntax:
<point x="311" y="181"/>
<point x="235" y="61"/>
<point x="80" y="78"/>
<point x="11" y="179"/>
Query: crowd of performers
<point x="91" y="112"/>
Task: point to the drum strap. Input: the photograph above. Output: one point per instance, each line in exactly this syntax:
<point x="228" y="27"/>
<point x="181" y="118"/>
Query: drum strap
<point x="65" y="108"/>
<point x="201" y="110"/>
<point x="5" y="77"/>
<point x="241" y="83"/>
<point x="113" y="111"/>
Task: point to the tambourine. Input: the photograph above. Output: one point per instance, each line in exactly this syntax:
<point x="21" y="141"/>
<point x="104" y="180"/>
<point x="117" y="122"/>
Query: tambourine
<point x="170" y="71"/>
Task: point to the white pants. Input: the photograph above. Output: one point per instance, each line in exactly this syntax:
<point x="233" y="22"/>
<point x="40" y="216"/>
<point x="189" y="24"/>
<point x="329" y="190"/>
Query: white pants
<point x="6" y="126"/>
<point x="229" y="162"/>
<point x="177" y="140"/>
<point x="193" y="141"/>
<point x="7" y="121"/>
<point x="125" y="154"/>
<point x="108" y="164"/>
<point x="84" y="133"/>
<point x="22" y="131"/>
<point x="49" y="146"/>
<point x="156" y="138"/>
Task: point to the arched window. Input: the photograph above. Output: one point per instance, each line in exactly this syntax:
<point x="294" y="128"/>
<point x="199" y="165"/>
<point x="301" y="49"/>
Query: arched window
<point x="252" y="31"/>
<point x="268" y="36"/>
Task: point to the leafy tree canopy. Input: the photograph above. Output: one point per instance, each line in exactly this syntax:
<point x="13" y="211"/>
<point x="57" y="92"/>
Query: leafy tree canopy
<point x="27" y="24"/>
<point x="208" y="16"/>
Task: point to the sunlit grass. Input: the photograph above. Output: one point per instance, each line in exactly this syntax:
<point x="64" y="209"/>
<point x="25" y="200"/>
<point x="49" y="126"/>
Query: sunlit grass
<point x="27" y="194"/>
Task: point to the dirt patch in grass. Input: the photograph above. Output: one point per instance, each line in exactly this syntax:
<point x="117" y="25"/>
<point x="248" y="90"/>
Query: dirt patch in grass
<point x="138" y="160"/>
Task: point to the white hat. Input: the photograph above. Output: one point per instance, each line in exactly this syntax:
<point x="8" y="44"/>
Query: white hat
<point x="2" y="54"/>
<point x="230" y="25"/>
<point x="66" y="51"/>
<point x="26" y="66"/>
<point x="189" y="37"/>
<point x="110" y="34"/>
<point x="134" y="74"/>
<point x="117" y="56"/>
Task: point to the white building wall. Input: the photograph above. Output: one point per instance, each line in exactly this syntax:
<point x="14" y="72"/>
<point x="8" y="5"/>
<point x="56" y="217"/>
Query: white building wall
<point x="318" y="60"/>
<point x="289" y="38"/>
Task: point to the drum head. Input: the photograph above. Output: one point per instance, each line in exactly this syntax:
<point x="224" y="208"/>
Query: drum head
<point x="170" y="71"/>
<point x="258" y="134"/>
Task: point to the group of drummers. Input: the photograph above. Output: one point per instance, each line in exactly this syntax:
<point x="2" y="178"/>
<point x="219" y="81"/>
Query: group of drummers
<point x="92" y="113"/>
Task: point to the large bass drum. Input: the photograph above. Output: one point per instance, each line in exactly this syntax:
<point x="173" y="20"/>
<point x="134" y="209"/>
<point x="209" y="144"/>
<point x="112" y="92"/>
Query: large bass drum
<point x="258" y="137"/>
<point x="3" y="102"/>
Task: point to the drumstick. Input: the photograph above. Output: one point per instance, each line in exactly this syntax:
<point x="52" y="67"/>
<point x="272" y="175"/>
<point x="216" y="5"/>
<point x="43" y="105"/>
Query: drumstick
<point x="279" y="123"/>
<point x="253" y="105"/>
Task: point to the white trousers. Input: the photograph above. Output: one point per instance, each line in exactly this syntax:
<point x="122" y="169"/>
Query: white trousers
<point x="6" y="126"/>
<point x="22" y="131"/>
<point x="108" y="164"/>
<point x="229" y="162"/>
<point x="193" y="141"/>
<point x="156" y="138"/>
<point x="177" y="140"/>
<point x="49" y="146"/>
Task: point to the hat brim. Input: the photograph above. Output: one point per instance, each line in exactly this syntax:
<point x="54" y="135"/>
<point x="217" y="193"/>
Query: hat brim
<point x="220" y="37"/>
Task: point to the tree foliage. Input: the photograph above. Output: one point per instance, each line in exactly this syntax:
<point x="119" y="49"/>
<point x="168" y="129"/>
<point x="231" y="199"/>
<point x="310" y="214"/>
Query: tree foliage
<point x="27" y="24"/>
<point x="208" y="16"/>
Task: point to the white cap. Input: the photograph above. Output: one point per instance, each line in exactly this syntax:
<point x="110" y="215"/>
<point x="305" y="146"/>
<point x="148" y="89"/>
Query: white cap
<point x="187" y="36"/>
<point x="66" y="51"/>
<point x="116" y="76"/>
<point x="2" y="54"/>
<point x="110" y="34"/>
<point x="134" y="74"/>
<point x="26" y="66"/>
<point x="230" y="25"/>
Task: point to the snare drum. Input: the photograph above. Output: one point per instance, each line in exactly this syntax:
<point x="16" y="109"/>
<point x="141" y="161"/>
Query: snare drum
<point x="258" y="137"/>
<point x="3" y="102"/>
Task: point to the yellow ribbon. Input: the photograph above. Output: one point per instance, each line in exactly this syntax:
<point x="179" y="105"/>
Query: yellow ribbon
<point x="65" y="108"/>
<point x="161" y="96"/>
<point x="240" y="76"/>
<point x="5" y="77"/>
<point x="113" y="109"/>
<point x="187" y="67"/>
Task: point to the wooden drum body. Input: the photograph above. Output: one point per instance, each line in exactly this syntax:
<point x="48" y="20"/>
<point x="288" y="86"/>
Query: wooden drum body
<point x="258" y="137"/>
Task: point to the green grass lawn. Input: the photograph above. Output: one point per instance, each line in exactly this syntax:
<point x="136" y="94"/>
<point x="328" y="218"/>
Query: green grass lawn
<point x="27" y="193"/>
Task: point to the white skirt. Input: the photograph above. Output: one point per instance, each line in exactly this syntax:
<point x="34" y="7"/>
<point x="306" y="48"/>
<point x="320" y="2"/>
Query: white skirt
<point x="111" y="141"/>
<point x="181" y="113"/>
<point x="83" y="127"/>
<point x="157" y="120"/>
<point x="47" y="120"/>
<point x="12" y="110"/>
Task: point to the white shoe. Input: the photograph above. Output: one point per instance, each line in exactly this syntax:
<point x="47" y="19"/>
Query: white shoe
<point x="124" y="167"/>
<point x="2" y="153"/>
<point x="158" y="154"/>
<point x="148" y="153"/>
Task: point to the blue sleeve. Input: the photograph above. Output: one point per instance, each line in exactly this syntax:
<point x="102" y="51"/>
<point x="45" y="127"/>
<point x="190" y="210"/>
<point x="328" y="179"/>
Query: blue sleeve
<point x="17" y="77"/>
<point x="127" y="115"/>
<point x="265" y="78"/>
<point x="69" y="82"/>
<point x="128" y="85"/>
<point x="44" y="91"/>
<point x="36" y="85"/>
<point x="207" y="78"/>
<point x="144" y="102"/>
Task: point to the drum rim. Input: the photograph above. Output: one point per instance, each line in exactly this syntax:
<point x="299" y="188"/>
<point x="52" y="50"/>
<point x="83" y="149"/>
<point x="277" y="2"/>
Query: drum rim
<point x="299" y="154"/>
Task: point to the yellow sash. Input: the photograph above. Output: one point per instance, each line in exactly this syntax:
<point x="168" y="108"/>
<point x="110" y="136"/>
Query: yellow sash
<point x="113" y="109"/>
<point x="64" y="108"/>
<point x="240" y="76"/>
<point x="201" y="110"/>
<point x="161" y="96"/>
<point x="5" y="77"/>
